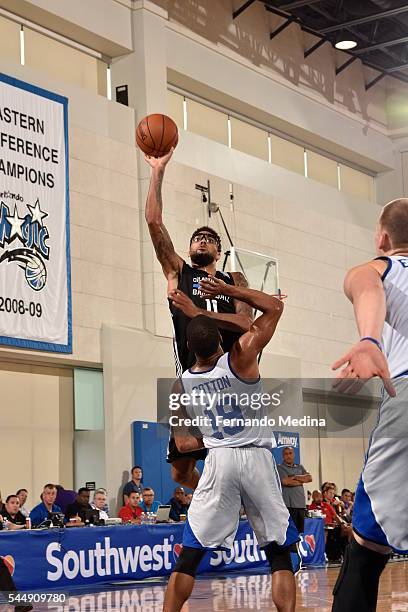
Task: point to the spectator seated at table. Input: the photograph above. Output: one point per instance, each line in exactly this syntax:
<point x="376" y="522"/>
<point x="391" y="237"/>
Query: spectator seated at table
<point x="318" y="503"/>
<point x="22" y="495"/>
<point x="40" y="513"/>
<point x="347" y="505"/>
<point x="65" y="497"/>
<point x="148" y="504"/>
<point x="178" y="504"/>
<point x="131" y="512"/>
<point x="99" y="503"/>
<point x="337" y="531"/>
<point x="133" y="485"/>
<point x="79" y="508"/>
<point x="11" y="513"/>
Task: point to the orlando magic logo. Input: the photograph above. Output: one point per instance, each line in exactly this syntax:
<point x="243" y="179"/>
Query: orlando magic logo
<point x="29" y="235"/>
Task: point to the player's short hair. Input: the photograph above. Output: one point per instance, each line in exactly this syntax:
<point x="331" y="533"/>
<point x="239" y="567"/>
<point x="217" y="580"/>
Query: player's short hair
<point x="209" y="230"/>
<point x="394" y="220"/>
<point x="203" y="336"/>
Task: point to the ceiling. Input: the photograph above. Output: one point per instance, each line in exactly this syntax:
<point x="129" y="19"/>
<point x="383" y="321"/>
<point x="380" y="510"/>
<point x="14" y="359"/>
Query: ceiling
<point x="380" y="28"/>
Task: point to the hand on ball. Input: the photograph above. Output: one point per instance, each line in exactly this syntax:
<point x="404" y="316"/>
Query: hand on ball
<point x="159" y="162"/>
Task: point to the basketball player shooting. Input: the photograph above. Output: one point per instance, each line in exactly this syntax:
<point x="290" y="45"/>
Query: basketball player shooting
<point x="379" y="293"/>
<point x="185" y="300"/>
<point x="240" y="468"/>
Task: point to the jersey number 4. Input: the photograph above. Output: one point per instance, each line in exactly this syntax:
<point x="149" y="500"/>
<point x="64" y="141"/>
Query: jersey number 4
<point x="211" y="305"/>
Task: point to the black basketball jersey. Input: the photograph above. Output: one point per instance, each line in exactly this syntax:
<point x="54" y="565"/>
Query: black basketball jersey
<point x="189" y="279"/>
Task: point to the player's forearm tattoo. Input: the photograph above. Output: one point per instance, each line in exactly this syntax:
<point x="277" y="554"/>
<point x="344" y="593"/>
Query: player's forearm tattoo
<point x="158" y="191"/>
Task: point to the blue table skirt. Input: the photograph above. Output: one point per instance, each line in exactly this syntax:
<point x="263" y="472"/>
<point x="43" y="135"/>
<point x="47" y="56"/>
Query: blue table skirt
<point x="64" y="558"/>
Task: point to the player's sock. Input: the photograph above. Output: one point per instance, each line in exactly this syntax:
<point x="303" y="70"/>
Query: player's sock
<point x="357" y="584"/>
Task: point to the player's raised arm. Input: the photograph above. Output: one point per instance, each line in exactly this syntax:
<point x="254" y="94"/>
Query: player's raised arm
<point x="163" y="245"/>
<point x="363" y="286"/>
<point x="246" y="349"/>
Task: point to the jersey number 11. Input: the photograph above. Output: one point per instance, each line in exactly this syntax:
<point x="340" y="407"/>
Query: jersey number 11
<point x="212" y="305"/>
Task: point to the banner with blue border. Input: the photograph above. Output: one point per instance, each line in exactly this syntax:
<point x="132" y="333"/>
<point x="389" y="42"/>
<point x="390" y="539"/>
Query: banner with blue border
<point x="35" y="277"/>
<point x="64" y="558"/>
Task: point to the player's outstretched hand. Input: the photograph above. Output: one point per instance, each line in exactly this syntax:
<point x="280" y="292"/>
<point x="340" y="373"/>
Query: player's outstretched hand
<point x="183" y="303"/>
<point x="212" y="286"/>
<point x="159" y="162"/>
<point x="363" y="361"/>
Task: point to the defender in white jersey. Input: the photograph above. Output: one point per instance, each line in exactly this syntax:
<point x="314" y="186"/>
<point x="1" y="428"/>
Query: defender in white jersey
<point x="379" y="292"/>
<point x="239" y="468"/>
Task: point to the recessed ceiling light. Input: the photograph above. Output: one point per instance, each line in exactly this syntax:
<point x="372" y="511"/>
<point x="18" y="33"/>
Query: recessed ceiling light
<point x="344" y="45"/>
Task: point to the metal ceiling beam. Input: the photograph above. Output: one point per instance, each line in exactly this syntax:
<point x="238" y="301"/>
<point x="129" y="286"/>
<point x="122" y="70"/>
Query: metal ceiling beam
<point x="367" y="19"/>
<point x="326" y="15"/>
<point x="374" y="81"/>
<point x="381" y="69"/>
<point x="290" y="6"/>
<point x="282" y="27"/>
<point x="346" y="64"/>
<point x="383" y="45"/>
<point x="366" y="62"/>
<point x="396" y="68"/>
<point x="242" y="8"/>
<point x="314" y="48"/>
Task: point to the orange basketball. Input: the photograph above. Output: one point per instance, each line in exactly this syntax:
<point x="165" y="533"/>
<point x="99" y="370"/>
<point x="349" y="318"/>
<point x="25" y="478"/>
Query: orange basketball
<point x="156" y="135"/>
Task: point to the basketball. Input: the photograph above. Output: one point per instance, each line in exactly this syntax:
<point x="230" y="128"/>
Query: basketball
<point x="156" y="135"/>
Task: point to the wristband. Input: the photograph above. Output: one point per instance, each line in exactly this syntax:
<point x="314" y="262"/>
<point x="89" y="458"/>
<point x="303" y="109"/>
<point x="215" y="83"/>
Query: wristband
<point x="373" y="340"/>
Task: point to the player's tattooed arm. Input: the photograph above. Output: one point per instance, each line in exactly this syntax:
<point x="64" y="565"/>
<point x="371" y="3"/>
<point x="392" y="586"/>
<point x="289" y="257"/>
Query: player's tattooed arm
<point x="170" y="261"/>
<point x="241" y="308"/>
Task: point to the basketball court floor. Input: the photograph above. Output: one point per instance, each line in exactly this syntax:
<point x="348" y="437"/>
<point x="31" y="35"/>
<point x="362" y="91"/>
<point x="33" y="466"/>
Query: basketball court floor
<point x="235" y="591"/>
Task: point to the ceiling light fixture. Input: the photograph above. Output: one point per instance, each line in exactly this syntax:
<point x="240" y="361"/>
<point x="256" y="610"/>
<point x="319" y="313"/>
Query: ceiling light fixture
<point x="345" y="45"/>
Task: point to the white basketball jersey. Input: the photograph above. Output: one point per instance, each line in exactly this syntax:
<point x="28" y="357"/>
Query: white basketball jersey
<point x="395" y="332"/>
<point x="226" y="409"/>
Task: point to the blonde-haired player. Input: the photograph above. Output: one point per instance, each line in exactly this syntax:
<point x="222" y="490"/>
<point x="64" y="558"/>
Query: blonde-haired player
<point x="379" y="293"/>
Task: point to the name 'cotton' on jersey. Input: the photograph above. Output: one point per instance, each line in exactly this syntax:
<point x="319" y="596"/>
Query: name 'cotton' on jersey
<point x="221" y="404"/>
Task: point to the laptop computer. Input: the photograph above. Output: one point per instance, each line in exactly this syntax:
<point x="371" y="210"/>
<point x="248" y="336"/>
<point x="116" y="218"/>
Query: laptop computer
<point x="163" y="513"/>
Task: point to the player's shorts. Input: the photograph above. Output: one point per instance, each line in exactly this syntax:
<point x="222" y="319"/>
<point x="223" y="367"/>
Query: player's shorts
<point x="233" y="477"/>
<point x="173" y="453"/>
<point x="381" y="504"/>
